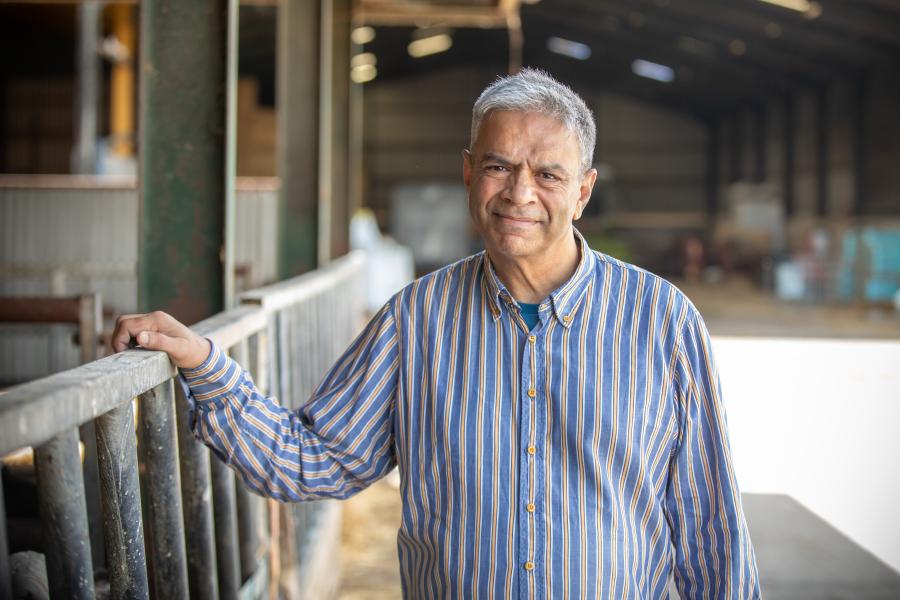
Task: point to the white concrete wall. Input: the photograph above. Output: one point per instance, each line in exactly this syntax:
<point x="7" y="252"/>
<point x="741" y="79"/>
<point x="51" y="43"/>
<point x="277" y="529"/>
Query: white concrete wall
<point x="820" y="420"/>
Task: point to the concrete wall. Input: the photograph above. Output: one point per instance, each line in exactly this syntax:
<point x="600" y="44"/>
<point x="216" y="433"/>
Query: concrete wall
<point x="818" y="420"/>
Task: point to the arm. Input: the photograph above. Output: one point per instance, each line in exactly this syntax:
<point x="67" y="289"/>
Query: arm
<point x="339" y="442"/>
<point x="713" y="554"/>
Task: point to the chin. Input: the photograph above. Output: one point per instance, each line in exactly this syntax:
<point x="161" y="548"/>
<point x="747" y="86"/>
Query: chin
<point x="511" y="245"/>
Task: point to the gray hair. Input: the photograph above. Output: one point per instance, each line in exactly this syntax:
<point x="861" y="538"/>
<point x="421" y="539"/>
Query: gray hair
<point x="533" y="90"/>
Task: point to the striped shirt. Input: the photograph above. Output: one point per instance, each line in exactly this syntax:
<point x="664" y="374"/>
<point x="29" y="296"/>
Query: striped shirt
<point x="586" y="458"/>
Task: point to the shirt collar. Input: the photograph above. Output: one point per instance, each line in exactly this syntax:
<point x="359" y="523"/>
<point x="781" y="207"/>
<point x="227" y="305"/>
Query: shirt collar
<point x="564" y="301"/>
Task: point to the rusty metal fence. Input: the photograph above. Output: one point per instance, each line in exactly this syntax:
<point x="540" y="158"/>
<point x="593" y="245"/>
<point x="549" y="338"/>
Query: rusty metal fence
<point x="175" y="523"/>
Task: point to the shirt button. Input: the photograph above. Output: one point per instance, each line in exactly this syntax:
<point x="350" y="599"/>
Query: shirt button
<point x="532" y="450"/>
<point x="530" y="507"/>
<point x="567" y="318"/>
<point x="529" y="566"/>
<point x="532" y="393"/>
<point x="532" y="338"/>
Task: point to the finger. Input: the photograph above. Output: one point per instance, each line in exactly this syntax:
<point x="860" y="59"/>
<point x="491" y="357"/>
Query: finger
<point x="120" y="336"/>
<point x="128" y="327"/>
<point x="154" y="340"/>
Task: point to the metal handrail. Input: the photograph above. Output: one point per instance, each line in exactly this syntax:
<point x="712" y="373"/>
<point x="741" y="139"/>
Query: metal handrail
<point x="179" y="479"/>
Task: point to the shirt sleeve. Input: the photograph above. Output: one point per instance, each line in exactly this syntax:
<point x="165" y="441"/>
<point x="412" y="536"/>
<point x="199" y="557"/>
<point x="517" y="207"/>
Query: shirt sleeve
<point x="337" y="444"/>
<point x="713" y="554"/>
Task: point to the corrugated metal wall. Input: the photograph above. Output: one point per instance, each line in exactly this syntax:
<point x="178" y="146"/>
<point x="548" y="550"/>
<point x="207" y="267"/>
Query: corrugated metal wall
<point x="62" y="235"/>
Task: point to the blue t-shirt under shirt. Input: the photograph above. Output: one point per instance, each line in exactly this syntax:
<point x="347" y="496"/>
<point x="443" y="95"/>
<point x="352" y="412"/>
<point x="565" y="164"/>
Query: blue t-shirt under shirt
<point x="529" y="314"/>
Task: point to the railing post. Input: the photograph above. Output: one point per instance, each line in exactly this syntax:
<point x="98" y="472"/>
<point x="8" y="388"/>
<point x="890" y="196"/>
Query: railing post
<point x="226" y="530"/>
<point x="249" y="505"/>
<point x="122" y="527"/>
<point x="5" y="582"/>
<point x="165" y="528"/>
<point x="64" y="523"/>
<point x="196" y="495"/>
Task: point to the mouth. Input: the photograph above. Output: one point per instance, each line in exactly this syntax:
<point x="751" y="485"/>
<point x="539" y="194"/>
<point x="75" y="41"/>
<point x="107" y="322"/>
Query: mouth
<point x="514" y="220"/>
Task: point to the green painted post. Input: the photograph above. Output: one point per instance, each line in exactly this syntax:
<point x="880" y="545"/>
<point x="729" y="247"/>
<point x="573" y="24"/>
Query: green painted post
<point x="298" y="135"/>
<point x="182" y="157"/>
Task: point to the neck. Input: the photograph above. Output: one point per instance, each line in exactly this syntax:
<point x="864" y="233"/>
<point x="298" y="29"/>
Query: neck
<point x="531" y="279"/>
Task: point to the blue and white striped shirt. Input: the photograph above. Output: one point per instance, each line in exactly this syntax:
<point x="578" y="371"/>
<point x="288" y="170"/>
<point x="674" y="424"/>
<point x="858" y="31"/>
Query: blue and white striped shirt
<point x="586" y="458"/>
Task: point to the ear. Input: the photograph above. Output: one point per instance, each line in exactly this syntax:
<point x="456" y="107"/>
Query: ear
<point x="467" y="167"/>
<point x="585" y="188"/>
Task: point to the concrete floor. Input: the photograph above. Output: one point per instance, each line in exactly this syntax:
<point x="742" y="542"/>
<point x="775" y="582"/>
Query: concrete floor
<point x="799" y="555"/>
<point x="738" y="307"/>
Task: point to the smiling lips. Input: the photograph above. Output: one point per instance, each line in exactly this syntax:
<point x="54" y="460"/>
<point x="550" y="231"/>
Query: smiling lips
<point x="516" y="220"/>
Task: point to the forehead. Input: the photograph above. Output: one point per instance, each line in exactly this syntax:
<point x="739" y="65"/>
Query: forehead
<point x="518" y="132"/>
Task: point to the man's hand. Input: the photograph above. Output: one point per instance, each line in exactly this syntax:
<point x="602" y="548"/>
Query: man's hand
<point x="160" y="331"/>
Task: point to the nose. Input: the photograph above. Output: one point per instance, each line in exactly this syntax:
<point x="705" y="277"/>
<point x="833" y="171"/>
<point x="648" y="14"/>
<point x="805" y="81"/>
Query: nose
<point x="520" y="187"/>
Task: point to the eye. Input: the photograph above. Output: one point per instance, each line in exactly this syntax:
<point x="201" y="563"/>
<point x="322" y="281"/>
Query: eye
<point x="548" y="176"/>
<point x="497" y="168"/>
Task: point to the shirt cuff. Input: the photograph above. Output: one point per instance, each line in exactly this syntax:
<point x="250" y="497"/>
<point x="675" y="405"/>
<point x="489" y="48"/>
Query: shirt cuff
<point x="213" y="378"/>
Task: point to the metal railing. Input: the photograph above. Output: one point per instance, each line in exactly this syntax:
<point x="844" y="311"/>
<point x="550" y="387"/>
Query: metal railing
<point x="175" y="523"/>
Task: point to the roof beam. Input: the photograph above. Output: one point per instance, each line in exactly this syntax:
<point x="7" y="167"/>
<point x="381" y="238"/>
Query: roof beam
<point x="751" y="24"/>
<point x="747" y="79"/>
<point x="811" y="72"/>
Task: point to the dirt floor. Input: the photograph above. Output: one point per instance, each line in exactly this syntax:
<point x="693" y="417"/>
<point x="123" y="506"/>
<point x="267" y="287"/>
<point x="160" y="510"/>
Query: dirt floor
<point x="737" y="308"/>
<point x="371" y="570"/>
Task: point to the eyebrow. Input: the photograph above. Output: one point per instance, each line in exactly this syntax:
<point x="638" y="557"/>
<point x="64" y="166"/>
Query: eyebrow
<point x="493" y="156"/>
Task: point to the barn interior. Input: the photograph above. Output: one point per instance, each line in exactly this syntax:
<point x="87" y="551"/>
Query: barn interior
<point x="186" y="156"/>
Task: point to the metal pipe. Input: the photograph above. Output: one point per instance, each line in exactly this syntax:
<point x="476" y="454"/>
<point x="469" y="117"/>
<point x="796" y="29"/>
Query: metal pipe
<point x="196" y="497"/>
<point x="249" y="505"/>
<point x="298" y="63"/>
<point x="182" y="157"/>
<point x="231" y="84"/>
<point x="88" y="99"/>
<point x="122" y="526"/>
<point x="5" y="575"/>
<point x="822" y="141"/>
<point x="64" y="522"/>
<point x="165" y="529"/>
<point x="224" y="517"/>
<point x="789" y="157"/>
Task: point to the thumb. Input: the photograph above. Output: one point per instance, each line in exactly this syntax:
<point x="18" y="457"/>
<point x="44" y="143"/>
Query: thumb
<point x="154" y="340"/>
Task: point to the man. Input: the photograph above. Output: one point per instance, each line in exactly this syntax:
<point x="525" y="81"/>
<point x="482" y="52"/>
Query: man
<point x="555" y="414"/>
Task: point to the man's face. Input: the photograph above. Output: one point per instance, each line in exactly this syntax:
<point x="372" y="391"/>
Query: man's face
<point x="525" y="184"/>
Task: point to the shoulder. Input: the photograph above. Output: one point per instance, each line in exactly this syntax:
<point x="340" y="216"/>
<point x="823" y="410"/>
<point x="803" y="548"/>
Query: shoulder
<point x="445" y="280"/>
<point x="640" y="286"/>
